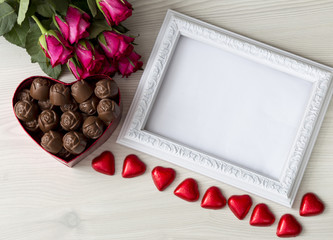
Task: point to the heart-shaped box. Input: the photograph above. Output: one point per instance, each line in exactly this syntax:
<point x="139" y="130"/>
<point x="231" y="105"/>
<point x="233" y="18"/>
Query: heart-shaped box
<point x="94" y="145"/>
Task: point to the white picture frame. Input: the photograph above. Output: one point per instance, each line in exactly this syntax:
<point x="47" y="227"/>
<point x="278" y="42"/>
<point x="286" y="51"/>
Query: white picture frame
<point x="229" y="107"/>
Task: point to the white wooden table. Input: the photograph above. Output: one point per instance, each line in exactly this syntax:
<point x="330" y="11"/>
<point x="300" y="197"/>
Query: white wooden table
<point x="42" y="199"/>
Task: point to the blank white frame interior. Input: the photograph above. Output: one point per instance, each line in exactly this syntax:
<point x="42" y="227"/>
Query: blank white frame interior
<point x="229" y="107"/>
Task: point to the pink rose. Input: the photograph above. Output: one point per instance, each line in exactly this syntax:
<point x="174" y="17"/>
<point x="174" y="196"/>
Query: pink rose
<point x="75" y="25"/>
<point x="89" y="57"/>
<point x="130" y="64"/>
<point x="115" y="45"/>
<point x="109" y="68"/>
<point x="115" y="11"/>
<point x="77" y="70"/>
<point x="88" y="60"/>
<point x="55" y="47"/>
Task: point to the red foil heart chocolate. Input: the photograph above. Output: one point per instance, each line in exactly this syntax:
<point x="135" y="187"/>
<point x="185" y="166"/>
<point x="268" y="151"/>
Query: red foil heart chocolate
<point x="133" y="166"/>
<point x="163" y="177"/>
<point x="213" y="199"/>
<point x="262" y="216"/>
<point x="288" y="226"/>
<point x="311" y="205"/>
<point x="188" y="190"/>
<point x="104" y="163"/>
<point x="240" y="205"/>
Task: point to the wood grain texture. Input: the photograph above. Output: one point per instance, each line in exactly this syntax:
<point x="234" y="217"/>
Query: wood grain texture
<point x="42" y="199"/>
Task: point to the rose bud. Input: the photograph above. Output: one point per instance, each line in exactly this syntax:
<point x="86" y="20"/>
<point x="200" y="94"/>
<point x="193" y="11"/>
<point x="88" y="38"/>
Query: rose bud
<point x="109" y="67"/>
<point x="77" y="70"/>
<point x="26" y="110"/>
<point x="106" y="88"/>
<point x="129" y="64"/>
<point x="60" y="94"/>
<point x="108" y="110"/>
<point x="89" y="57"/>
<point x="48" y="120"/>
<point x="55" y="47"/>
<point x="92" y="127"/>
<point x="52" y="142"/>
<point x="70" y="120"/>
<point x="75" y="25"/>
<point x="24" y="95"/>
<point x="89" y="106"/>
<point x="39" y="89"/>
<point x="115" y="45"/>
<point x="115" y="11"/>
<point x="74" y="142"/>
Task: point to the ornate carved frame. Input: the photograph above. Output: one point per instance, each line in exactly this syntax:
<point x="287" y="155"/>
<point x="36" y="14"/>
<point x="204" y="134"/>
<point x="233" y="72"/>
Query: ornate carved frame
<point x="133" y="134"/>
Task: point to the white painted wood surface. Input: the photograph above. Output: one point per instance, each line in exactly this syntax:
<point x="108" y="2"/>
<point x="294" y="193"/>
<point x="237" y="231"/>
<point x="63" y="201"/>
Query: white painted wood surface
<point x="42" y="199"/>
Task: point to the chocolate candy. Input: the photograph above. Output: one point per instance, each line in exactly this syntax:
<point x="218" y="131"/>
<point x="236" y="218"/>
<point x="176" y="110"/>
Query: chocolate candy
<point x="64" y="154"/>
<point x="106" y="88"/>
<point x="48" y="120"/>
<point x="74" y="142"/>
<point x="81" y="91"/>
<point x="108" y="110"/>
<point x="24" y="95"/>
<point x="89" y="106"/>
<point x="59" y="94"/>
<point x="31" y="125"/>
<point x="39" y="88"/>
<point x="52" y="142"/>
<point x="92" y="127"/>
<point x="70" y="120"/>
<point x="26" y="110"/>
<point x="45" y="104"/>
<point x="72" y="105"/>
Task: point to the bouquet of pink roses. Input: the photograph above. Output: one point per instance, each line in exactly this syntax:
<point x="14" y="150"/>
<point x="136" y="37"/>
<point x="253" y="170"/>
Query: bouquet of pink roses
<point x="86" y="35"/>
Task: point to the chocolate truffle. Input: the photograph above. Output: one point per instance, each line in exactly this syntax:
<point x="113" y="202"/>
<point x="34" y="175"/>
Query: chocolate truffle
<point x="45" y="104"/>
<point x="63" y="154"/>
<point x="48" y="120"/>
<point x="106" y="88"/>
<point x="26" y="110"/>
<point x="32" y="125"/>
<point x="92" y="127"/>
<point x="24" y="95"/>
<point x="74" y="142"/>
<point x="89" y="106"/>
<point x="108" y="110"/>
<point x="70" y="120"/>
<point x="52" y="142"/>
<point x="81" y="91"/>
<point x="59" y="94"/>
<point x="72" y="105"/>
<point x="39" y="88"/>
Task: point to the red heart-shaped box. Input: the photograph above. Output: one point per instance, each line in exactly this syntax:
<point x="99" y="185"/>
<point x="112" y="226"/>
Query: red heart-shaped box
<point x="98" y="142"/>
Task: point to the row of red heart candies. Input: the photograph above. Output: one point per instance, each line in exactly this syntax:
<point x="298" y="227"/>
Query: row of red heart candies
<point x="213" y="198"/>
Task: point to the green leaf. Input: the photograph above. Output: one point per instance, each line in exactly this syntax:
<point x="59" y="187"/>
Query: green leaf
<point x="92" y="6"/>
<point x="32" y="44"/>
<point x="45" y="8"/>
<point x="24" y="5"/>
<point x="7" y="18"/>
<point x="121" y="28"/>
<point x="61" y="6"/>
<point x="98" y="26"/>
<point x="14" y="4"/>
<point x="82" y="4"/>
<point x="18" y="34"/>
<point x="49" y="70"/>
